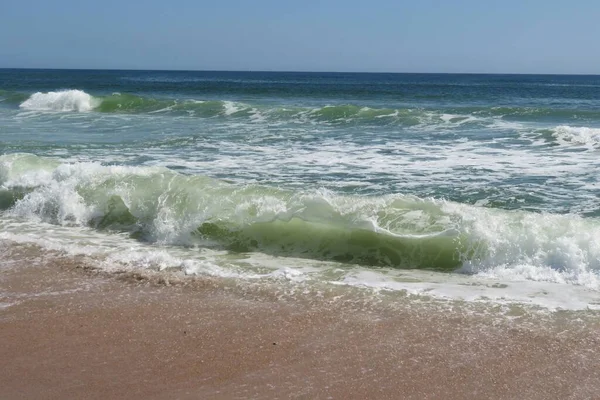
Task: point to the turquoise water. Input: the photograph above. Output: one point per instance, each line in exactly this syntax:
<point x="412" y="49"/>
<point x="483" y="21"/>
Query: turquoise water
<point x="368" y="179"/>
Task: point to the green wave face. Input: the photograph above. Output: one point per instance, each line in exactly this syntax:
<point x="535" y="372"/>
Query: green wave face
<point x="162" y="206"/>
<point x="301" y="238"/>
<point x="126" y="103"/>
<point x="9" y="97"/>
<point x="129" y="103"/>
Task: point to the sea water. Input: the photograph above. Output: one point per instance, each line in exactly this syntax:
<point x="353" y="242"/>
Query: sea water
<point x="467" y="187"/>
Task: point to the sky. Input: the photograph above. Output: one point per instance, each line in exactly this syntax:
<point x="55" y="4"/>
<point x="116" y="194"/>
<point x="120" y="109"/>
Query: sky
<point x="526" y="36"/>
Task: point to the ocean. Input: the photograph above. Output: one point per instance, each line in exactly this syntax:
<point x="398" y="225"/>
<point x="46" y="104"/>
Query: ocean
<point x="470" y="188"/>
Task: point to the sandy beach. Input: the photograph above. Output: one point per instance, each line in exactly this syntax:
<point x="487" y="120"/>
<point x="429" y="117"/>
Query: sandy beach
<point x="69" y="332"/>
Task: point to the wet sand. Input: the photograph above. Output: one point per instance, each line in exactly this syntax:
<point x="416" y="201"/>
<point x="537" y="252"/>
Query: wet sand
<point x="70" y="333"/>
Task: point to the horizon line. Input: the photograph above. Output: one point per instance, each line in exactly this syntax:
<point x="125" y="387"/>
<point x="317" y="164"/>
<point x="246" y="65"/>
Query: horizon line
<point x="298" y="71"/>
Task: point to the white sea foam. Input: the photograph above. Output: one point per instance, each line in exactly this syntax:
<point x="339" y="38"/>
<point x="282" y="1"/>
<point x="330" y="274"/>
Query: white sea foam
<point x="497" y="244"/>
<point x="457" y="119"/>
<point x="578" y="136"/>
<point x="117" y="253"/>
<point x="66" y="100"/>
<point x="521" y="246"/>
<point x="551" y="296"/>
<point x="231" y="108"/>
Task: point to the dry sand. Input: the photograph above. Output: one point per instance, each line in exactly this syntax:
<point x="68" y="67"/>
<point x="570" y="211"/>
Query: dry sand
<point x="68" y="333"/>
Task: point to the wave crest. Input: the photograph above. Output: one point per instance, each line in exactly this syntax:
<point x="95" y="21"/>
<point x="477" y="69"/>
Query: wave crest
<point x="65" y="100"/>
<point x="125" y="103"/>
<point x="159" y="205"/>
<point x="579" y="136"/>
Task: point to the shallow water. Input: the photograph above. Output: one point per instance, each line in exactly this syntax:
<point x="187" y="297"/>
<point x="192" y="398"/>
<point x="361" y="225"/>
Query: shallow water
<point x="476" y="187"/>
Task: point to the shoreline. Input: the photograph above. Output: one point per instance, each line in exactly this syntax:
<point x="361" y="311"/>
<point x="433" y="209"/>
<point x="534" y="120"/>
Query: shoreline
<point x="71" y="332"/>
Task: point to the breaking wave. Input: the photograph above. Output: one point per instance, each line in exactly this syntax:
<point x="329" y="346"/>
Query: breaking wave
<point x="80" y="101"/>
<point x="577" y="136"/>
<point x="161" y="206"/>
<point x="67" y="100"/>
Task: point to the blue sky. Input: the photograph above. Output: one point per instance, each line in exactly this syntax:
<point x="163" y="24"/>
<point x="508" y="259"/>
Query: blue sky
<point x="527" y="36"/>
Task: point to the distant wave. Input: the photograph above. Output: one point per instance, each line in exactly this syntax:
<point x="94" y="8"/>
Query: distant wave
<point x="66" y="100"/>
<point x="12" y="97"/>
<point x="79" y="101"/>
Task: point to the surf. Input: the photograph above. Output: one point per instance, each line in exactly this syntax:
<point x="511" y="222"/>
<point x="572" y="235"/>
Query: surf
<point x="66" y="100"/>
<point x="79" y="101"/>
<point x="157" y="205"/>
